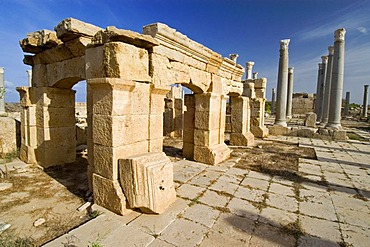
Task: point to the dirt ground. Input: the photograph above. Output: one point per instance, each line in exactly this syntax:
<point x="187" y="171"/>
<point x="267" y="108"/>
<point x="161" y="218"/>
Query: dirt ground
<point x="53" y="194"/>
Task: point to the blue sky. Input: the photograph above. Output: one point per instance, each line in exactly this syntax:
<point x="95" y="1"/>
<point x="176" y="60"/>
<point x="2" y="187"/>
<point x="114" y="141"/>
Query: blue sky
<point x="250" y="28"/>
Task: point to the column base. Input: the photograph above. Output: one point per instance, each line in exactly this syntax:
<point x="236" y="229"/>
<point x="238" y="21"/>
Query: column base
<point x="281" y="123"/>
<point x="108" y="194"/>
<point x="238" y="139"/>
<point x="259" y="131"/>
<point x="211" y="155"/>
<point x="333" y="126"/>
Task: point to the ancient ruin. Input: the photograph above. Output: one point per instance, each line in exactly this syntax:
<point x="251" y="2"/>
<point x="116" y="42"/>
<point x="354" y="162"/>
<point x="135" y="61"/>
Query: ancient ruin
<point x="365" y="101"/>
<point x="128" y="77"/>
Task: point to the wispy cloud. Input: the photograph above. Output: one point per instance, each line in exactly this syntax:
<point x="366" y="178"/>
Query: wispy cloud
<point x="362" y="30"/>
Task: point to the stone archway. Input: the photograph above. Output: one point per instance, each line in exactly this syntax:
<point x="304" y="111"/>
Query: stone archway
<point x="128" y="75"/>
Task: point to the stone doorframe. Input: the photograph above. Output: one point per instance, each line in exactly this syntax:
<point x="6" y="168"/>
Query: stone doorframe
<point x="128" y="75"/>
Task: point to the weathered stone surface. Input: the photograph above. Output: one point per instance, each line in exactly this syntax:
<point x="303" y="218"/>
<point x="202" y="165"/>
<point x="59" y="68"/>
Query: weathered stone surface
<point x="147" y="181"/>
<point x="310" y="120"/>
<point x="108" y="193"/>
<point x="278" y="130"/>
<point x="8" y="135"/>
<point x="38" y="41"/>
<point x="113" y="34"/>
<point x="71" y="28"/>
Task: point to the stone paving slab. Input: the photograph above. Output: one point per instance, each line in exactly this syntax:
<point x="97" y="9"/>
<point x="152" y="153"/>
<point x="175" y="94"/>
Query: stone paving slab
<point x="227" y="206"/>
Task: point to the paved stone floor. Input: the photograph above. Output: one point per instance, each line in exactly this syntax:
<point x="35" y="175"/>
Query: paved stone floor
<point x="227" y="206"/>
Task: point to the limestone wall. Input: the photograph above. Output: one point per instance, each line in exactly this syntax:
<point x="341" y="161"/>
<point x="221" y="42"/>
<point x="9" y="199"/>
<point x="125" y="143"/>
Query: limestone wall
<point x="9" y="135"/>
<point x="302" y="104"/>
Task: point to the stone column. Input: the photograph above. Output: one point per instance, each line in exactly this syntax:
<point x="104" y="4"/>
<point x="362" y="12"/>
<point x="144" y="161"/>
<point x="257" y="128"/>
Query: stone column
<point x="255" y="75"/>
<point x="366" y="100"/>
<point x="322" y="84"/>
<point x="318" y="93"/>
<point x="189" y="120"/>
<point x="290" y="93"/>
<point x="258" y="103"/>
<point x="282" y="84"/>
<point x="326" y="96"/>
<point x="273" y="102"/>
<point x="2" y="91"/>
<point x="240" y="121"/>
<point x="346" y="106"/>
<point x="29" y="73"/>
<point x="337" y="80"/>
<point x="249" y="66"/>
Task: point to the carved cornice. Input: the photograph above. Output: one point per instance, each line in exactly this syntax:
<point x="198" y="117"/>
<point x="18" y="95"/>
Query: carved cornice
<point x="339" y="34"/>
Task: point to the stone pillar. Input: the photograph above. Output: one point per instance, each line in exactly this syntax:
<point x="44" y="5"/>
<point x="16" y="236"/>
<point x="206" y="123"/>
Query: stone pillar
<point x="255" y="75"/>
<point x="209" y="129"/>
<point x="189" y="120"/>
<point x="290" y="93"/>
<point x="346" y="106"/>
<point x="337" y="81"/>
<point x="273" y="102"/>
<point x="174" y="112"/>
<point x="282" y="84"/>
<point x="365" y="102"/>
<point x="2" y="91"/>
<point x="249" y="66"/>
<point x="240" y="121"/>
<point x="29" y="73"/>
<point x="326" y="96"/>
<point x="322" y="84"/>
<point x="258" y="103"/>
<point x="318" y="101"/>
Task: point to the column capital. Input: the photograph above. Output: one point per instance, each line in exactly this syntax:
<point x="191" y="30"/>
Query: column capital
<point x="255" y="75"/>
<point x="233" y="57"/>
<point x="331" y="50"/>
<point x="284" y="43"/>
<point x="1" y="70"/>
<point x="339" y="34"/>
<point x="249" y="64"/>
<point x="324" y="59"/>
<point x="29" y="72"/>
<point x="291" y="70"/>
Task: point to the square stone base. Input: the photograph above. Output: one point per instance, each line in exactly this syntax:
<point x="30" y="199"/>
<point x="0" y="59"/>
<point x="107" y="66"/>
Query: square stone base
<point x="333" y="134"/>
<point x="212" y="155"/>
<point x="239" y="139"/>
<point x="260" y="132"/>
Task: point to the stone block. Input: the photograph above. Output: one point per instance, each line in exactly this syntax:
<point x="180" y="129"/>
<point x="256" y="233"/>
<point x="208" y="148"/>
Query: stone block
<point x="47" y="154"/>
<point x="106" y="158"/>
<point x="339" y="135"/>
<point x="208" y="102"/>
<point x="55" y="117"/>
<point x="147" y="181"/>
<point x="156" y="145"/>
<point x="66" y="73"/>
<point x="277" y="130"/>
<point x="55" y="97"/>
<point x="140" y="128"/>
<point x="39" y="75"/>
<point x="310" y="120"/>
<point x="211" y="155"/>
<point x="239" y="139"/>
<point x="141" y="98"/>
<point x="260" y="132"/>
<point x="188" y="150"/>
<point x="188" y="135"/>
<point x="206" y="137"/>
<point x="71" y="28"/>
<point x="8" y="134"/>
<point x="207" y="120"/>
<point x="108" y="194"/>
<point x="155" y="126"/>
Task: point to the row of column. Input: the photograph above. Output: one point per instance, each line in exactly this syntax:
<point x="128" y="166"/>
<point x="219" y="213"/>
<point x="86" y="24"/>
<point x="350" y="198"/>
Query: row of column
<point x="330" y="84"/>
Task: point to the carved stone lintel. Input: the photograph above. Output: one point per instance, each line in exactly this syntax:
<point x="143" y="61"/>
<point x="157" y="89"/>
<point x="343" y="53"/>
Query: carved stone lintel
<point x="284" y="43"/>
<point x="291" y="70"/>
<point x="324" y="59"/>
<point x="331" y="50"/>
<point x="339" y="34"/>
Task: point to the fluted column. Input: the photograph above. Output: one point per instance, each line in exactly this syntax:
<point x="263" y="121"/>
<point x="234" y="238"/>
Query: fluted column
<point x="29" y="73"/>
<point x="318" y="93"/>
<point x="282" y="84"/>
<point x="366" y="100"/>
<point x="324" y="62"/>
<point x="337" y="80"/>
<point x="249" y="66"/>
<point x="2" y="91"/>
<point x="273" y="102"/>
<point x="290" y="93"/>
<point x="326" y="98"/>
<point x="346" y="106"/>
